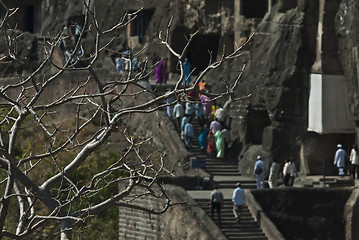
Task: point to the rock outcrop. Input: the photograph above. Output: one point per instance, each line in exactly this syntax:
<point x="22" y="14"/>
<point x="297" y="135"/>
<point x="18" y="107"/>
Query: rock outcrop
<point x="272" y="122"/>
<point x="347" y="31"/>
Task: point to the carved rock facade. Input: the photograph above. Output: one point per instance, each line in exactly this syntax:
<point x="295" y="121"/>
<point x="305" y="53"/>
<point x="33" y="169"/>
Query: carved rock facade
<point x="295" y="42"/>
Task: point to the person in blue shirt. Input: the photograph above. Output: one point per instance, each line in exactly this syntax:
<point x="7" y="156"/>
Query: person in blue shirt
<point x="202" y="138"/>
<point x="187" y="72"/>
<point x="239" y="200"/>
<point x="188" y="134"/>
<point x="259" y="170"/>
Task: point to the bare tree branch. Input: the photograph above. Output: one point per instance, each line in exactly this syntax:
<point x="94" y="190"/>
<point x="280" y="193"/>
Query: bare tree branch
<point x="69" y="126"/>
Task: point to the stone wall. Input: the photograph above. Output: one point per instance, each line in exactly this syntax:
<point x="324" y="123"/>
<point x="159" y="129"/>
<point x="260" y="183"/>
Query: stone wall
<point x="183" y="221"/>
<point x="309" y="213"/>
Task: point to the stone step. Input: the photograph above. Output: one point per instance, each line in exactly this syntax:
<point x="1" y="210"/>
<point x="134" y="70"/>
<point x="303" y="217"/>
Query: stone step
<point x="221" y="173"/>
<point x="222" y="164"/>
<point x="246" y="238"/>
<point x="225" y="174"/>
<point x="214" y="171"/>
<point x="247" y="229"/>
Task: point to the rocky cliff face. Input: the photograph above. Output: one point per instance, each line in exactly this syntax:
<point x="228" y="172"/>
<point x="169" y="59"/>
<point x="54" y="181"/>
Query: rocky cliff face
<point x="280" y="59"/>
<point x="274" y="118"/>
<point x="348" y="34"/>
<point x="284" y="52"/>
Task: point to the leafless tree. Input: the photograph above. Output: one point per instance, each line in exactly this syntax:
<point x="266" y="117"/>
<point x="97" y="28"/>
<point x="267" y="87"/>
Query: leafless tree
<point x="26" y="103"/>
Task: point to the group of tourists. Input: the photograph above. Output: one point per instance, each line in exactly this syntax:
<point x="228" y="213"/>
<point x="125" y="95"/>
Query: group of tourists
<point x="289" y="172"/>
<point x="70" y="36"/>
<point x="161" y="73"/>
<point x="125" y="62"/>
<point x="213" y="132"/>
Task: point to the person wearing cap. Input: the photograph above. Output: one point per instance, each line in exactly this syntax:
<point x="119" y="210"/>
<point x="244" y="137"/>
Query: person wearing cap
<point x="216" y="202"/>
<point x="259" y="170"/>
<point x="239" y="200"/>
<point x="339" y="159"/>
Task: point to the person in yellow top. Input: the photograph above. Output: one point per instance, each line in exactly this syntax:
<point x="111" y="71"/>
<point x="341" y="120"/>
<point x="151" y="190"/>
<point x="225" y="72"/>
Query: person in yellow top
<point x="214" y="109"/>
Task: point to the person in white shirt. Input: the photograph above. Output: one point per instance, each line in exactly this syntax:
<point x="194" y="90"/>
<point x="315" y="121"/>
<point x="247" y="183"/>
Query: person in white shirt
<point x="354" y="160"/>
<point x="286" y="172"/>
<point x="339" y="159"/>
<point x="178" y="113"/>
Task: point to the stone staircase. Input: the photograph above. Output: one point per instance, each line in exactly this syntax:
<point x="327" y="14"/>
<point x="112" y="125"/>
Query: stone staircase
<point x="247" y="229"/>
<point x="225" y="174"/>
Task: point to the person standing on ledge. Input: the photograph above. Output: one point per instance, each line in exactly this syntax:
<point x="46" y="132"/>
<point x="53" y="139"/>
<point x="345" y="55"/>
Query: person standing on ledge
<point x="286" y="172"/>
<point x="339" y="159"/>
<point x="354" y="160"/>
<point x="273" y="174"/>
<point x="259" y="170"/>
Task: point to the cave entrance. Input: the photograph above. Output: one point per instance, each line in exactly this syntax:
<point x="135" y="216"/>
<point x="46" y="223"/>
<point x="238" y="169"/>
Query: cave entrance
<point x="254" y="8"/>
<point x="140" y="24"/>
<point x="178" y="42"/>
<point x="199" y="50"/>
<point x="258" y="120"/>
<point x="28" y="16"/>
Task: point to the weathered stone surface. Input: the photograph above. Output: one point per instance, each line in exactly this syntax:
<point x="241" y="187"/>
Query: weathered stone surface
<point x="303" y="213"/>
<point x="277" y="76"/>
<point x="281" y="57"/>
<point x="183" y="221"/>
<point x="347" y="30"/>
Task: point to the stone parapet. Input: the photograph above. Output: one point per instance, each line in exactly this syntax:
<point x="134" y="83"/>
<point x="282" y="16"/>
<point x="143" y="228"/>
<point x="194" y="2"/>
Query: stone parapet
<point x="182" y="221"/>
<point x="351" y="213"/>
<point x="269" y="229"/>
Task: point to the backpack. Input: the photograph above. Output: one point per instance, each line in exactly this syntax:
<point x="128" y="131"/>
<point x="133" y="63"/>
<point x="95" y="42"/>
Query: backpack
<point x="258" y="170"/>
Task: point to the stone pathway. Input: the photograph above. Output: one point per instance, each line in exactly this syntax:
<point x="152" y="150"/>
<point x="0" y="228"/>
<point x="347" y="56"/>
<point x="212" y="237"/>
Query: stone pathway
<point x="225" y="174"/>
